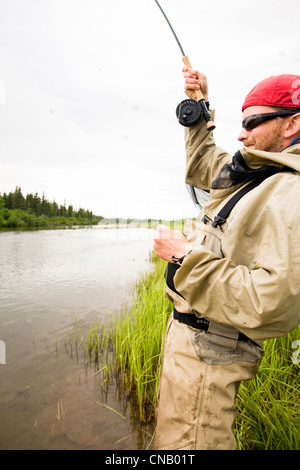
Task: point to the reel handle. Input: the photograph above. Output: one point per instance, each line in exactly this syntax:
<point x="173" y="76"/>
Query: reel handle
<point x="199" y="97"/>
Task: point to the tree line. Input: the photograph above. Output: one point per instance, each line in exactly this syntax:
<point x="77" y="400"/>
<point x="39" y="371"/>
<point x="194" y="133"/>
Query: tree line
<point x="33" y="210"/>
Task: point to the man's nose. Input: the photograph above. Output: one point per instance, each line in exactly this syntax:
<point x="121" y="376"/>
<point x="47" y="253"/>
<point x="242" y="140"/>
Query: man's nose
<point x="242" y="135"/>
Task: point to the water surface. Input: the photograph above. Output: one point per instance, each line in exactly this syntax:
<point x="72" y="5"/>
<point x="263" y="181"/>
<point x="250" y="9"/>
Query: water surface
<point x="49" y="280"/>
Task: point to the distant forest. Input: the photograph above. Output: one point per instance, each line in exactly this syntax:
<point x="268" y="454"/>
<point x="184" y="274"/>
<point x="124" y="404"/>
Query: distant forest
<point x="35" y="211"/>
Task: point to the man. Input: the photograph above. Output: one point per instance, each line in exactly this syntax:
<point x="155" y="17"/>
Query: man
<point x="234" y="276"/>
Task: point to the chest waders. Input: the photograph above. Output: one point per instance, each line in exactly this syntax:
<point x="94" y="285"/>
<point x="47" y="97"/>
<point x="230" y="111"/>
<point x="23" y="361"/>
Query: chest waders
<point x="203" y="365"/>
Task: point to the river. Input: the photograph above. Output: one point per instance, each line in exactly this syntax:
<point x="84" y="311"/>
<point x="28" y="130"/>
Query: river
<point x="51" y="280"/>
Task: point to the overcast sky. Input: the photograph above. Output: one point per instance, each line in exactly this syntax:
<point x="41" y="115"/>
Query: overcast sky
<point x="89" y="88"/>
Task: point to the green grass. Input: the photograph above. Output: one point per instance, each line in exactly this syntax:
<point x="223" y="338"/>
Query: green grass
<point x="268" y="415"/>
<point x="137" y="338"/>
<point x="129" y="350"/>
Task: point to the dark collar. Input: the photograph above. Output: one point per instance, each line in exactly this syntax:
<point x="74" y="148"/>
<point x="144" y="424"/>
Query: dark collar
<point x="238" y="172"/>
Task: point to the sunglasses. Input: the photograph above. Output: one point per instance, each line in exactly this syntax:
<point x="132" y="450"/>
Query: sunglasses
<point x="253" y="121"/>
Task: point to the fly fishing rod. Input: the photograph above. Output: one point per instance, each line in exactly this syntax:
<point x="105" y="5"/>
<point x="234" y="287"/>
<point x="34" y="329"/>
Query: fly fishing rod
<point x="189" y="111"/>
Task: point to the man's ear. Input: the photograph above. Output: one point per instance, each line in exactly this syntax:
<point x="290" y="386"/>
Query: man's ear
<point x="292" y="128"/>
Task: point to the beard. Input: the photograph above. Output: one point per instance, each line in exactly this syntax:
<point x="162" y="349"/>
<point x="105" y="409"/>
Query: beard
<point x="269" y="141"/>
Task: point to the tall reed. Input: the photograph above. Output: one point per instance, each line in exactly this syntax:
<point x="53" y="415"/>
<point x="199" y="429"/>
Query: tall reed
<point x="268" y="406"/>
<point x="137" y="337"/>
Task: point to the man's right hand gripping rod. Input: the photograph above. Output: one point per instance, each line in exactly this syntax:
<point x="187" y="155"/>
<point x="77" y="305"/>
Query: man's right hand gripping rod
<point x="189" y="111"/>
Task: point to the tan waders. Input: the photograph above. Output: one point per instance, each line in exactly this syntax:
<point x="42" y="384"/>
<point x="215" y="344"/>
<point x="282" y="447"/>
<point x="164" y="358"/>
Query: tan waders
<point x="196" y="400"/>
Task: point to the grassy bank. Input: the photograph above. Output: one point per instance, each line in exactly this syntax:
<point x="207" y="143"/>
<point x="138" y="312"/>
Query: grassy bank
<point x="22" y="219"/>
<point x="128" y="348"/>
<point x="268" y="415"/>
<point x="129" y="351"/>
<point x="33" y="211"/>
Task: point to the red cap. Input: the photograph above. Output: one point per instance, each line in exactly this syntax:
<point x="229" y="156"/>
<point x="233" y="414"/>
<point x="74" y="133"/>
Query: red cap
<point x="280" y="90"/>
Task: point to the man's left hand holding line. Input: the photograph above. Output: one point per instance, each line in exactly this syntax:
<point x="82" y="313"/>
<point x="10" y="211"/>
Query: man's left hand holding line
<point x="169" y="244"/>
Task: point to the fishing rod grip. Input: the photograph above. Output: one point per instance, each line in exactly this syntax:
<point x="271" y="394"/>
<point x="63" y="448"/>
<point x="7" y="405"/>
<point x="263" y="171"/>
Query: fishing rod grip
<point x="186" y="61"/>
<point x="199" y="97"/>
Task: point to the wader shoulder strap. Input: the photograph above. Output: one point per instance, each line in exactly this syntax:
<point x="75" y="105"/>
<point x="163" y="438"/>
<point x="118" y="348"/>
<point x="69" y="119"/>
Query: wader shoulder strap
<point x="221" y="217"/>
<point x="218" y="220"/>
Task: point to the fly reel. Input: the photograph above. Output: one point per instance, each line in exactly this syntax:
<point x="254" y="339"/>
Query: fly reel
<point x="188" y="112"/>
